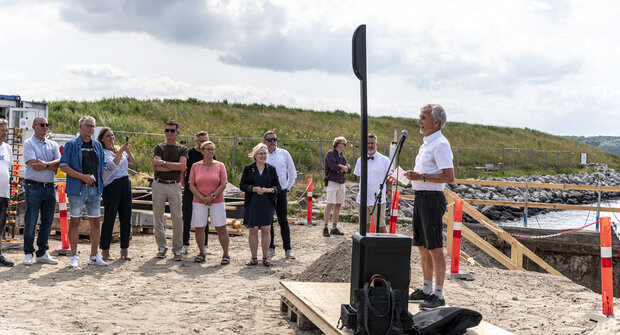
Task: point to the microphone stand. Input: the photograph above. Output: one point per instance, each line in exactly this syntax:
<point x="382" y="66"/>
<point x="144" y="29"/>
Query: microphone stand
<point x="397" y="151"/>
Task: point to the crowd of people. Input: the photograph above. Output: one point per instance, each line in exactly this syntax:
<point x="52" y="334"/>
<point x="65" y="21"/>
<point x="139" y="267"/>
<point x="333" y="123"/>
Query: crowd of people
<point x="192" y="183"/>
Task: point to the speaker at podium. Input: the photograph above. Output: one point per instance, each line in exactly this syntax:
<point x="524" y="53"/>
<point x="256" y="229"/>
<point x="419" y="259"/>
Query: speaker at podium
<point x="386" y="254"/>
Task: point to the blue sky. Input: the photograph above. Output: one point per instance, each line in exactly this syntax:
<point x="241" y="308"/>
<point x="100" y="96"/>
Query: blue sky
<point x="546" y="65"/>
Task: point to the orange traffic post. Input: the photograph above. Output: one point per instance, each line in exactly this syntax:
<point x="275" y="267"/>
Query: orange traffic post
<point x="456" y="243"/>
<point x="394" y="206"/>
<point x="606" y="268"/>
<point x="372" y="225"/>
<point x="64" y="224"/>
<point x="309" y="206"/>
<point x="456" y="236"/>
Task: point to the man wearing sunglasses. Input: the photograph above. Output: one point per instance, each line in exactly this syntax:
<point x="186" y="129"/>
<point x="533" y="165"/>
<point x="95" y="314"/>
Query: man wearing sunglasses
<point x="285" y="168"/>
<point x="169" y="161"/>
<point x="42" y="157"/>
<point x="83" y="161"/>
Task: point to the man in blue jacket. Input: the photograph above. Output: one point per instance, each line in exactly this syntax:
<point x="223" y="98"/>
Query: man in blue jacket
<point x="83" y="161"/>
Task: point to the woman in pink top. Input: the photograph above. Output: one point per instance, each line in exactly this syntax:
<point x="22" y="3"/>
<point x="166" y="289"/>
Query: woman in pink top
<point x="207" y="181"/>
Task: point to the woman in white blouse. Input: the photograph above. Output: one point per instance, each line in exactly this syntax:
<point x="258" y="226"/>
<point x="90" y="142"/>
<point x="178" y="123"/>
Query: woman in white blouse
<point x="116" y="192"/>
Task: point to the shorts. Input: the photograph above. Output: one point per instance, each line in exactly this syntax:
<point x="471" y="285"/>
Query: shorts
<point x="89" y="196"/>
<point x="202" y="212"/>
<point x="381" y="210"/>
<point x="335" y="193"/>
<point x="428" y="210"/>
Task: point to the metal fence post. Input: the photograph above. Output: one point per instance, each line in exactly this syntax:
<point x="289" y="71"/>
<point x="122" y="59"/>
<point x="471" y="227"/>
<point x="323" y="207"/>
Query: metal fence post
<point x="457" y="158"/>
<point x="478" y="156"/>
<point x="234" y="158"/>
<point x="517" y="158"/>
<point x="545" y="161"/>
<point x="503" y="155"/>
<point x="320" y="153"/>
<point x="532" y="162"/>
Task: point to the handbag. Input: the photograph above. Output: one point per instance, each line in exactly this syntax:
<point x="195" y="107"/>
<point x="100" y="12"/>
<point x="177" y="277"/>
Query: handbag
<point x="379" y="308"/>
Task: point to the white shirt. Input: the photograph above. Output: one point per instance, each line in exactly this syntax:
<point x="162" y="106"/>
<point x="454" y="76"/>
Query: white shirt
<point x="434" y="156"/>
<point x="6" y="161"/>
<point x="377" y="168"/>
<point x="44" y="150"/>
<point x="285" y="167"/>
<point x="113" y="171"/>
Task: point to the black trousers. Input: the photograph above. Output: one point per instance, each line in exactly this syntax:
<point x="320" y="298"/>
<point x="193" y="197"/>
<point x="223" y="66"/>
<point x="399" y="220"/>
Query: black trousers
<point x="116" y="199"/>
<point x="281" y="212"/>
<point x="188" y="198"/>
<point x="4" y="206"/>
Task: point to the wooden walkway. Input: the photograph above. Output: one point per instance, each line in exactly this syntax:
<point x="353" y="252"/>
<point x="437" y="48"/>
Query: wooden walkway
<point x="320" y="304"/>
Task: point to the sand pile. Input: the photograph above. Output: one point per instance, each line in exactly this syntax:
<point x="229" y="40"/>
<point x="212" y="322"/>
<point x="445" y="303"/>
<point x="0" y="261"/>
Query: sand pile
<point x="334" y="266"/>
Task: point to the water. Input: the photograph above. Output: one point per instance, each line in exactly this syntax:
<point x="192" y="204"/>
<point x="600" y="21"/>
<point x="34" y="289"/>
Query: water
<point x="566" y="219"/>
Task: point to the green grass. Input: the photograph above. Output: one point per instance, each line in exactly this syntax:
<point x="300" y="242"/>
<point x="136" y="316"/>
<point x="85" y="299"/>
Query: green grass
<point x="222" y="119"/>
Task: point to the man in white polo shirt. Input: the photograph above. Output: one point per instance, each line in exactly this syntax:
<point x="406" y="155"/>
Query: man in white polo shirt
<point x="433" y="169"/>
<point x="287" y="174"/>
<point x="378" y="166"/>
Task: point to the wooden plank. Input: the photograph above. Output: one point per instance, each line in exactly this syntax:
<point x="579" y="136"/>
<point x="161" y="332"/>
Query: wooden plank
<point x="450" y="224"/>
<point x="488" y="248"/>
<point x="320" y="302"/>
<point x="542" y="205"/>
<point x="536" y="185"/>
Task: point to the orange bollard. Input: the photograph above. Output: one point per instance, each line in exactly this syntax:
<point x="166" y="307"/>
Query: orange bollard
<point x="394" y="205"/>
<point x="62" y="210"/>
<point x="456" y="236"/>
<point x="309" y="206"/>
<point x="606" y="267"/>
<point x="372" y="225"/>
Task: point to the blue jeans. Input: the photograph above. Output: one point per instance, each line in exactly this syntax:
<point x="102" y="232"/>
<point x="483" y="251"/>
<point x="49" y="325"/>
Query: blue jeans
<point x="38" y="199"/>
<point x="89" y="196"/>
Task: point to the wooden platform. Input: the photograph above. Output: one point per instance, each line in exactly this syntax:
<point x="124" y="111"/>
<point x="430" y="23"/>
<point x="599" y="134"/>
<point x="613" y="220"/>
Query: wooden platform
<point x="320" y="304"/>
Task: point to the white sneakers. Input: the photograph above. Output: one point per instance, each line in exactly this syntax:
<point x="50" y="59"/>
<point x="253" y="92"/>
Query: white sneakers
<point x="96" y="260"/>
<point x="289" y="254"/>
<point x="271" y="252"/>
<point x="207" y="251"/>
<point x="184" y="249"/>
<point x="73" y="263"/>
<point x="45" y="259"/>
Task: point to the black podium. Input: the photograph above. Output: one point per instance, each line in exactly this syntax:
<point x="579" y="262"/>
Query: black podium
<point x="385" y="254"/>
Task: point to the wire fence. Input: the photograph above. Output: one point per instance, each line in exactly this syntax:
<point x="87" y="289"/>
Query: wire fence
<point x="308" y="154"/>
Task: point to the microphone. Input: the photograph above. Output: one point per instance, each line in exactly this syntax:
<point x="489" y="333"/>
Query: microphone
<point x="401" y="141"/>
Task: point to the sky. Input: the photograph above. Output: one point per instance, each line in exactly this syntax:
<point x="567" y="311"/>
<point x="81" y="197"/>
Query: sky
<point x="545" y="65"/>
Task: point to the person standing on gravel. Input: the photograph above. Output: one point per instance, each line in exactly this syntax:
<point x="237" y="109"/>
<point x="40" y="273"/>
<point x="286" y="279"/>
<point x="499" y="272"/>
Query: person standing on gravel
<point x="283" y="162"/>
<point x="378" y="166"/>
<point x="169" y="161"/>
<point x="433" y="169"/>
<point x="6" y="161"/>
<point x="336" y="166"/>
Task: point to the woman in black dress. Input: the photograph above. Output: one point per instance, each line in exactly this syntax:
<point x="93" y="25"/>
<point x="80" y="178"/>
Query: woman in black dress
<point x="260" y="183"/>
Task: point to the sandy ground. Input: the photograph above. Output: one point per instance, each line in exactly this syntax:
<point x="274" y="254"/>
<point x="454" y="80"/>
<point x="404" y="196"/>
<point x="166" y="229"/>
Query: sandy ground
<point x="160" y="296"/>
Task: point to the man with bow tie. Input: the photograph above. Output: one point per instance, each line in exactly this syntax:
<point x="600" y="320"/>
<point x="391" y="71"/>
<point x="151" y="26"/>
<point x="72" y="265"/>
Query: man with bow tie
<point x="378" y="166"/>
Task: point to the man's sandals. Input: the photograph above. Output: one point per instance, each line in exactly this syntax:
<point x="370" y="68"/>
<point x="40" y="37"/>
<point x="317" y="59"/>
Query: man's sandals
<point x="225" y="260"/>
<point x="200" y="258"/>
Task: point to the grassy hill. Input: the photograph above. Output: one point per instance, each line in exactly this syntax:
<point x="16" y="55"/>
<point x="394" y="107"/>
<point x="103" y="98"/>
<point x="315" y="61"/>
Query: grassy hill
<point x="247" y="123"/>
<point x="609" y="143"/>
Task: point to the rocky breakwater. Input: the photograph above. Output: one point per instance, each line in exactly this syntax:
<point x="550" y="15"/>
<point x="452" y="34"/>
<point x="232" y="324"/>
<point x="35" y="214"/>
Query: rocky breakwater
<point x="602" y="174"/>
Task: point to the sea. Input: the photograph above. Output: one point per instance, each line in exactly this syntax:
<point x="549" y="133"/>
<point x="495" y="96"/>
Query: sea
<point x="567" y="219"/>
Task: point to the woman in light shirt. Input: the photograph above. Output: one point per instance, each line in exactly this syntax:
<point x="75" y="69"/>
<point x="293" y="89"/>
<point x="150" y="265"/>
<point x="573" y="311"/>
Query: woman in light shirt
<point x="207" y="181"/>
<point x="116" y="192"/>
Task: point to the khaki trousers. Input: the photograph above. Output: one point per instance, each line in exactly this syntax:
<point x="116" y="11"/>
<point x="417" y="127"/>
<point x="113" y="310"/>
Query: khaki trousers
<point x="172" y="193"/>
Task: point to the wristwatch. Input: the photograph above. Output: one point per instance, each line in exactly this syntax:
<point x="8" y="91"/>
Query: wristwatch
<point x="213" y="195"/>
<point x="163" y="163"/>
<point x="47" y="165"/>
<point x="424" y="177"/>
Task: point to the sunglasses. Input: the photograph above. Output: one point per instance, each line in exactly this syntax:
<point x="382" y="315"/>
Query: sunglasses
<point x="271" y="139"/>
<point x="44" y="124"/>
<point x="170" y="130"/>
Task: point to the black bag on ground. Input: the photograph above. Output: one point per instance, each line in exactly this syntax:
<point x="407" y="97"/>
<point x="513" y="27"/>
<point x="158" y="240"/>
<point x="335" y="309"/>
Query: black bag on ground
<point x="348" y="317"/>
<point x="445" y="320"/>
<point x="379" y="308"/>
